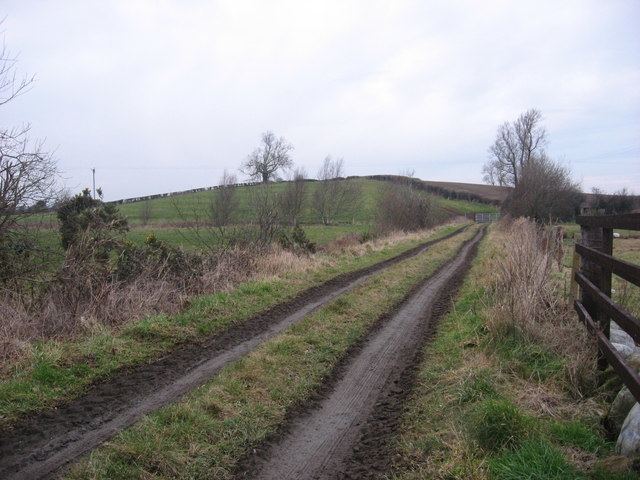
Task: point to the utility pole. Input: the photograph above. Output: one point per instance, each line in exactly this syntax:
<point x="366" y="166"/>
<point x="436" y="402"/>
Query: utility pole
<point x="93" y="171"/>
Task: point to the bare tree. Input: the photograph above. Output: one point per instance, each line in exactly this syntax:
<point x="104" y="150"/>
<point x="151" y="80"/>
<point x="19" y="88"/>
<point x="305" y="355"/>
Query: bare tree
<point x="291" y="200"/>
<point x="264" y="204"/>
<point x="28" y="174"/>
<point x="403" y="207"/>
<point x="545" y="192"/>
<point x="266" y="160"/>
<point x="515" y="145"/>
<point x="224" y="202"/>
<point x="146" y="210"/>
<point x="10" y="84"/>
<point x="209" y="220"/>
<point x="334" y="194"/>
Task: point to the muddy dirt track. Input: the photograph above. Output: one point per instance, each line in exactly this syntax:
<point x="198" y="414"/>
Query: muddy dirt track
<point x="40" y="444"/>
<point x="346" y="434"/>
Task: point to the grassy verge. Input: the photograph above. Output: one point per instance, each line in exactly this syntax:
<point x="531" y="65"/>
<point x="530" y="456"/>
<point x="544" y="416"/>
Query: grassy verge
<point x="205" y="435"/>
<point x="59" y="370"/>
<point x="500" y="410"/>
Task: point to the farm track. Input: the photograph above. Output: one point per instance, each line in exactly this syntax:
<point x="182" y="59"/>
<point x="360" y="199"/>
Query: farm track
<point x="40" y="444"/>
<point x="345" y="433"/>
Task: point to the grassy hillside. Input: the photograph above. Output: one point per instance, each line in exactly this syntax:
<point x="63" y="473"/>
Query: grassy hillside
<point x="170" y="217"/>
<point x="491" y="193"/>
<point x="190" y="206"/>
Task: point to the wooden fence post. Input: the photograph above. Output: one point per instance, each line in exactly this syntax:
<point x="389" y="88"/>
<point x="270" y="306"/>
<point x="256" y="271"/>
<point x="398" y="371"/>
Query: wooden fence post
<point x="575" y="267"/>
<point x="600" y="239"/>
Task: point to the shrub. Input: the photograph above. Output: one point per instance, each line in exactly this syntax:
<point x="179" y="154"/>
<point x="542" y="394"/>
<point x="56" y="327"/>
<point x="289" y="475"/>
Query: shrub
<point x="300" y="239"/>
<point x="297" y="240"/>
<point x="545" y="192"/>
<point x="16" y="258"/>
<point x="496" y="424"/>
<point x="402" y="207"/>
<point x="366" y="236"/>
<point x="157" y="259"/>
<point x="83" y="213"/>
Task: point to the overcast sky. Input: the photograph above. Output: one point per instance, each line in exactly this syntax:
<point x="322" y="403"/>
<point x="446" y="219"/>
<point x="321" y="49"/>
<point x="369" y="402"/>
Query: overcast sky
<point x="163" y="95"/>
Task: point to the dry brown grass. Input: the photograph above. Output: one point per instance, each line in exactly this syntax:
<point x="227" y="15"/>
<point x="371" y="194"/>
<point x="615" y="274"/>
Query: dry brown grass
<point x="525" y="287"/>
<point x="80" y="301"/>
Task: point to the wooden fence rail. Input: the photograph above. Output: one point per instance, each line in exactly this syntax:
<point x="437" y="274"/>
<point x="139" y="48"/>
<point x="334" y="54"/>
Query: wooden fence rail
<point x="595" y="307"/>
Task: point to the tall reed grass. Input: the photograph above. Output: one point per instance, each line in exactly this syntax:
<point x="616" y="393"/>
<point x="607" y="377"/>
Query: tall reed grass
<point x="529" y="304"/>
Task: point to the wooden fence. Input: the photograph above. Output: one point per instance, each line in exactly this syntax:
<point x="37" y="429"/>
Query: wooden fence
<point x="595" y="307"/>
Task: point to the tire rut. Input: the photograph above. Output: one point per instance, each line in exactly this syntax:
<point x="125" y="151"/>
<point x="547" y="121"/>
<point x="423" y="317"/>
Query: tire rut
<point x="345" y="434"/>
<point x="42" y="443"/>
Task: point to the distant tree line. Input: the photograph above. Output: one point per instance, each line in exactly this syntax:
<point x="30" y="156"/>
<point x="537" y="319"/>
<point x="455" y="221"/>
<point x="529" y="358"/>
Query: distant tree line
<point x="616" y="203"/>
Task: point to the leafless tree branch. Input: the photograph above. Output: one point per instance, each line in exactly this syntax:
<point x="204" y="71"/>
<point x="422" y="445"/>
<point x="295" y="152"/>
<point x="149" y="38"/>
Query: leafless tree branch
<point x="334" y="194"/>
<point x="266" y="160"/>
<point x="291" y="200"/>
<point x="515" y="145"/>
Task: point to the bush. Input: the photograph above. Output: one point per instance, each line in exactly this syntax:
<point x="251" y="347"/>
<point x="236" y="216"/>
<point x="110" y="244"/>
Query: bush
<point x="158" y="259"/>
<point x="366" y="236"/>
<point x="300" y="239"/>
<point x="402" y="207"/>
<point x="16" y="258"/>
<point x="297" y="240"/>
<point x="82" y="214"/>
<point x="545" y="192"/>
<point x="497" y="424"/>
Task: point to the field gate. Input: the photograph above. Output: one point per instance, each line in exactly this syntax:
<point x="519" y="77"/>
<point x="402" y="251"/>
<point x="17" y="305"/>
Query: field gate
<point x="487" y="217"/>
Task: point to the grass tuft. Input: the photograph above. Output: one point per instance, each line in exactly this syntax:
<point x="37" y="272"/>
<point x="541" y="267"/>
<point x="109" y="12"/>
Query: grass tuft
<point x="575" y="433"/>
<point x="496" y="424"/>
<point x="528" y="359"/>
<point x="477" y="386"/>
<point x="533" y="460"/>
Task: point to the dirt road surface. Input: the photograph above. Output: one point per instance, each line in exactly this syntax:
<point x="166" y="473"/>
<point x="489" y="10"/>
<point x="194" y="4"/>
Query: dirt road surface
<point x="41" y="444"/>
<point x="320" y="444"/>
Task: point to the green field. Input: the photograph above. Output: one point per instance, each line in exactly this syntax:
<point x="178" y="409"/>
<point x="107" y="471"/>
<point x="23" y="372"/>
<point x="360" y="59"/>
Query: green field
<point x="172" y="218"/>
<point x="192" y="206"/>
